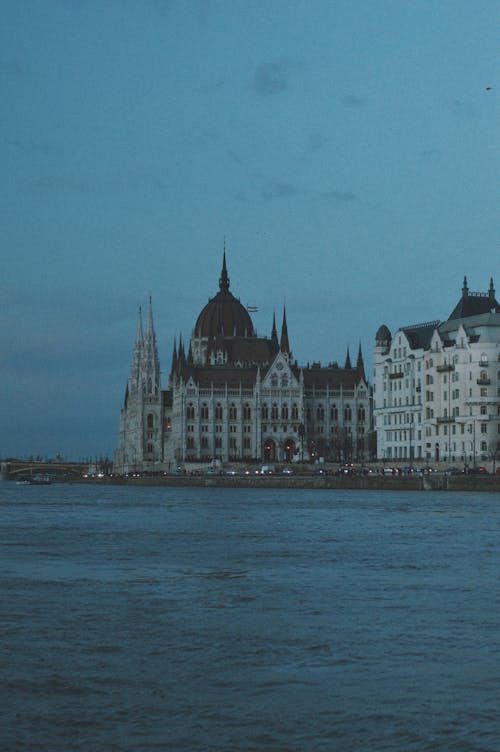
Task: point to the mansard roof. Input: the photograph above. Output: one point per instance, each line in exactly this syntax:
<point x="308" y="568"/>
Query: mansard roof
<point x="474" y="303"/>
<point x="246" y="350"/>
<point x="321" y="378"/>
<point x="420" y="335"/>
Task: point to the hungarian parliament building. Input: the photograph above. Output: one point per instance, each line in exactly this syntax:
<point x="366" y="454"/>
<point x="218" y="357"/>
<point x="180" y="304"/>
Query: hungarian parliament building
<point x="233" y="396"/>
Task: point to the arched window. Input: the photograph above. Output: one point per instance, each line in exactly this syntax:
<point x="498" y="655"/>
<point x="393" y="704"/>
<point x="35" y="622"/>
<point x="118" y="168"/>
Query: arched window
<point x="233" y="413"/>
<point x="274" y="411"/>
<point x="284" y="380"/>
<point x="320" y="412"/>
<point x="295" y="412"/>
<point x="150" y="420"/>
<point x="247" y="412"/>
<point x="334" y="412"/>
<point x="265" y="412"/>
<point x="190" y="411"/>
<point x="284" y="412"/>
<point x="274" y="380"/>
<point x="361" y="414"/>
<point x="218" y="411"/>
<point x="347" y="413"/>
<point x="204" y="411"/>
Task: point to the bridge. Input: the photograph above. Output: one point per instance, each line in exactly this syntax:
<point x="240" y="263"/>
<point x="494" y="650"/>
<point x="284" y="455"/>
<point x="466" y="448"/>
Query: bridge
<point x="14" y="468"/>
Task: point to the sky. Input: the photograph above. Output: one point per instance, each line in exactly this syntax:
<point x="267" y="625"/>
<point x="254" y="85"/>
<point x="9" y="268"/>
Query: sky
<point x="344" y="151"/>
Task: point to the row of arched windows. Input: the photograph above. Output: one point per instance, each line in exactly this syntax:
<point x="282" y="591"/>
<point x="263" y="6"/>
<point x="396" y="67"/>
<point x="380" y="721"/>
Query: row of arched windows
<point x="334" y="414"/>
<point x="274" y="411"/>
<point x="218" y="411"/>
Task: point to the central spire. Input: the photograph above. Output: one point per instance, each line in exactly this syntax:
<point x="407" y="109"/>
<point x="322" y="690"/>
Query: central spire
<point x="224" y="279"/>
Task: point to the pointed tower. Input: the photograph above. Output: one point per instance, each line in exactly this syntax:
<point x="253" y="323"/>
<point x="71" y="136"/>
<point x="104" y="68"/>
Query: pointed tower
<point x="224" y="279"/>
<point x="140" y="445"/>
<point x="274" y="337"/>
<point x="491" y="292"/>
<point x="284" y="343"/>
<point x="173" y="368"/>
<point x="150" y="361"/>
<point x="348" y="360"/>
<point x="360" y="366"/>
<point x="465" y="289"/>
<point x="134" y="379"/>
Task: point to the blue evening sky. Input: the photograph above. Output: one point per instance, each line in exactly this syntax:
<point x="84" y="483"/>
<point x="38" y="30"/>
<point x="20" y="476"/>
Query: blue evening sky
<point x="347" y="151"/>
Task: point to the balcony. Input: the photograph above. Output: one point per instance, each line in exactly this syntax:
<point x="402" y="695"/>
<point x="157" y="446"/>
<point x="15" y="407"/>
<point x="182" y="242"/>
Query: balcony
<point x="483" y="382"/>
<point x="444" y="368"/>
<point x="446" y="419"/>
<point x="396" y="375"/>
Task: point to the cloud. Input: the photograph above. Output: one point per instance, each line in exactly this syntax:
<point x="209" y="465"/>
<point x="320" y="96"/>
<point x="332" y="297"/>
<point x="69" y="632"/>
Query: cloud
<point x="463" y="109"/>
<point x="118" y="182"/>
<point x="270" y="78"/>
<point x="316" y="141"/>
<point x="343" y="196"/>
<point x="277" y="190"/>
<point x="30" y="146"/>
<point x="430" y="155"/>
<point x="351" y="100"/>
<point x="9" y="69"/>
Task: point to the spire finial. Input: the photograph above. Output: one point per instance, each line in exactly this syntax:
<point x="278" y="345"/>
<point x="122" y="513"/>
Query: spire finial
<point x="491" y="291"/>
<point x="465" y="289"/>
<point x="224" y="279"/>
<point x="348" y="360"/>
<point x="284" y="343"/>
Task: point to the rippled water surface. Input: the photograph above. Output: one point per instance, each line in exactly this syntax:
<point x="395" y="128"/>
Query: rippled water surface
<point x="220" y="619"/>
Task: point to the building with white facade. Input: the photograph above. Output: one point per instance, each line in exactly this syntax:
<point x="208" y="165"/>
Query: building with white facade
<point x="436" y="386"/>
<point x="236" y="396"/>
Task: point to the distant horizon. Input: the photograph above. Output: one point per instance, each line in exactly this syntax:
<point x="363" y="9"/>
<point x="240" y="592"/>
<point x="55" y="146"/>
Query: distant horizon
<point x="344" y="154"/>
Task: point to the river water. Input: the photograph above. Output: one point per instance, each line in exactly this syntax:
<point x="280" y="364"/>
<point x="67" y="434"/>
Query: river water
<point x="260" y="620"/>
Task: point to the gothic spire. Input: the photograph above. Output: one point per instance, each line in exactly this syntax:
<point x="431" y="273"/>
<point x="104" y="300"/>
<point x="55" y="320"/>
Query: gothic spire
<point x="348" y="360"/>
<point x="360" y="366"/>
<point x="284" y="344"/>
<point x="491" y="291"/>
<point x="465" y="289"/>
<point x="224" y="279"/>
<point x="274" y="336"/>
<point x="139" y="337"/>
<point x="174" y="357"/>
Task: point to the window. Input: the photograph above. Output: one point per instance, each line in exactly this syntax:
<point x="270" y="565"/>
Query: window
<point x="233" y="413"/>
<point x="347" y="413"/>
<point x="247" y="412"/>
<point x="274" y="411"/>
<point x="295" y="412"/>
<point x="204" y="411"/>
<point x="334" y="412"/>
<point x="284" y="412"/>
<point x="361" y="414"/>
<point x="150" y="420"/>
<point x="190" y="411"/>
<point x="218" y="411"/>
<point x="320" y="412"/>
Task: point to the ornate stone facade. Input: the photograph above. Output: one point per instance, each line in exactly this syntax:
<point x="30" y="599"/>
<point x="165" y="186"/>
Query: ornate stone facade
<point x="437" y="386"/>
<point x="235" y="396"/>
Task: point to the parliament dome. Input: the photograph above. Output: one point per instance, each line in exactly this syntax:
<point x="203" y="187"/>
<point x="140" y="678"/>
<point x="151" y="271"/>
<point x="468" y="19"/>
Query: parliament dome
<point x="224" y="315"/>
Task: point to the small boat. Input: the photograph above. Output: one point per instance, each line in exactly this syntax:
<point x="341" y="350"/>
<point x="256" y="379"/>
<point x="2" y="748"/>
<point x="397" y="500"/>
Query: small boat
<point x="35" y="480"/>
